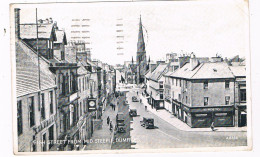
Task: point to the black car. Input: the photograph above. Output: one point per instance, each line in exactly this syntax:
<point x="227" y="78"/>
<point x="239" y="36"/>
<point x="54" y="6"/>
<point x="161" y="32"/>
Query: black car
<point x="120" y="123"/>
<point x="134" y="99"/>
<point x="148" y="123"/>
<point x="133" y="112"/>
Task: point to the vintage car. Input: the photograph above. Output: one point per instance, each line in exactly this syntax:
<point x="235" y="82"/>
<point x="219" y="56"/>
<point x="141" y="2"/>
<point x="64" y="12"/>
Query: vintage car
<point x="133" y="112"/>
<point x="120" y="123"/>
<point x="134" y="99"/>
<point x="148" y="123"/>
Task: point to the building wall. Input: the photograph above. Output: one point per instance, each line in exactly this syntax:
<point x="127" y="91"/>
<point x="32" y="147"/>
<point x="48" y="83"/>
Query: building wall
<point x="25" y="140"/>
<point x="216" y="92"/>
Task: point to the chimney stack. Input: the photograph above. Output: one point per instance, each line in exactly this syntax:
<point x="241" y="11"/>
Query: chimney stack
<point x="17" y="22"/>
<point x="193" y="62"/>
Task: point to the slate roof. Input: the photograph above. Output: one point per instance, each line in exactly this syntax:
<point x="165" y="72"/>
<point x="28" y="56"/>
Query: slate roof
<point x="27" y="80"/>
<point x="28" y="31"/>
<point x="238" y="71"/>
<point x="157" y="73"/>
<point x="204" y="71"/>
<point x="61" y="37"/>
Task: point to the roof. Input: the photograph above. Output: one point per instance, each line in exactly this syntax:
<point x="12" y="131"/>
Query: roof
<point x="133" y="68"/>
<point x="29" y="31"/>
<point x="160" y="69"/>
<point x="238" y="71"/>
<point x="204" y="71"/>
<point x="27" y="80"/>
<point x="61" y="37"/>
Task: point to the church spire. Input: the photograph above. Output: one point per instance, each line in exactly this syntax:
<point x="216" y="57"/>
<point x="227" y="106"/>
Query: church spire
<point x="140" y="43"/>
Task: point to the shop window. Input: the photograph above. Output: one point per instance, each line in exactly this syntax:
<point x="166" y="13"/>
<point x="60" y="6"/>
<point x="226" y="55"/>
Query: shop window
<point x="31" y="111"/>
<point x="44" y="146"/>
<point x="206" y="101"/>
<point x="201" y="115"/>
<point x="206" y="85"/>
<point x="221" y="114"/>
<point x="227" y="100"/>
<point x="19" y="118"/>
<point x="33" y="144"/>
<point x="227" y="82"/>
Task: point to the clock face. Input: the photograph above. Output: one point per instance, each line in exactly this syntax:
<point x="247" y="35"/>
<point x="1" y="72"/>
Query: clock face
<point x="91" y="103"/>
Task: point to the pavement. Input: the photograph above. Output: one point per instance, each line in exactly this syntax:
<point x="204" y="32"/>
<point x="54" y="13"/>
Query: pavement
<point x="171" y="119"/>
<point x="102" y="139"/>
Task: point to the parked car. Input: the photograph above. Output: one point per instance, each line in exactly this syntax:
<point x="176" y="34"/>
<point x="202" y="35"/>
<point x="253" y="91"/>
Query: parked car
<point x="133" y="112"/>
<point x="134" y="99"/>
<point x="148" y="123"/>
<point x="120" y="123"/>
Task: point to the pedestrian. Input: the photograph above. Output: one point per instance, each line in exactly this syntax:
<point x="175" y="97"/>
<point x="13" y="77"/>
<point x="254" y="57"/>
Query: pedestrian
<point x="114" y="107"/>
<point x="137" y="92"/>
<point x="108" y="120"/>
<point x="212" y="126"/>
<point x="111" y="126"/>
<point x="145" y="107"/>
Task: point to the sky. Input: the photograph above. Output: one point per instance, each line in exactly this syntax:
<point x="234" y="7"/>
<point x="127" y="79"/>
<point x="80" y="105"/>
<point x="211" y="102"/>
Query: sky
<point x="202" y="27"/>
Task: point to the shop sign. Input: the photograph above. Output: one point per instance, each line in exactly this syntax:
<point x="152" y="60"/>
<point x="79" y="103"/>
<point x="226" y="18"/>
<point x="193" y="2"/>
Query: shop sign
<point x="92" y="104"/>
<point x="211" y="109"/>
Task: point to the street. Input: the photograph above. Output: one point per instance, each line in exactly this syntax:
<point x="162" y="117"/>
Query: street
<point x="166" y="135"/>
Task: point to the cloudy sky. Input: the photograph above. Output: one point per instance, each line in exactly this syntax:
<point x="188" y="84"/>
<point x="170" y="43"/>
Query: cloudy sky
<point x="202" y="27"/>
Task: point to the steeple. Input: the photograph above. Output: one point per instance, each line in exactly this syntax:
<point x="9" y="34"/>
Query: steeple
<point x="140" y="43"/>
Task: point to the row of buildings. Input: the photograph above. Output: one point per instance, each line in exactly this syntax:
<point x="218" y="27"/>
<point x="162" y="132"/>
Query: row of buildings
<point x="61" y="93"/>
<point x="199" y="91"/>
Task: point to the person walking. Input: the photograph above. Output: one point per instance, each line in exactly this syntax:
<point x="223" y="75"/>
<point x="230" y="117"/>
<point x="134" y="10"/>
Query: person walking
<point x="212" y="126"/>
<point x="111" y="126"/>
<point x="108" y="120"/>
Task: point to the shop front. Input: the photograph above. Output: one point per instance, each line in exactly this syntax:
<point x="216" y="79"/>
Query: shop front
<point x="200" y="117"/>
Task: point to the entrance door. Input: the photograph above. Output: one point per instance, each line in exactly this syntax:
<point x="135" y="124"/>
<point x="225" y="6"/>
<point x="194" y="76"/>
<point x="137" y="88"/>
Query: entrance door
<point x="44" y="145"/>
<point x="51" y="136"/>
<point x="243" y="119"/>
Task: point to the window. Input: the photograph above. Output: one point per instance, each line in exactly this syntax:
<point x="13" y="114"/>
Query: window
<point x="19" y="118"/>
<point x="160" y="84"/>
<point x="179" y="97"/>
<point x="172" y="81"/>
<point x="172" y="95"/>
<point x="80" y="109"/>
<point x="62" y="55"/>
<point x="63" y="84"/>
<point x="42" y="106"/>
<point x="243" y="95"/>
<point x="186" y="84"/>
<point x="206" y="85"/>
<point x="31" y="111"/>
<point x="176" y="82"/>
<point x="206" y="101"/>
<point x="161" y="95"/>
<point x="186" y="99"/>
<point x="227" y="100"/>
<point x="180" y="83"/>
<point x="79" y="85"/>
<point x="227" y="84"/>
<point x="51" y="101"/>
